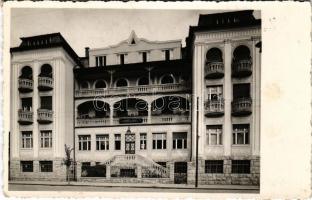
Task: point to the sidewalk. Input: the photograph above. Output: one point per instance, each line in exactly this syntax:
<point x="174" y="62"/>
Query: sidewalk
<point x="138" y="185"/>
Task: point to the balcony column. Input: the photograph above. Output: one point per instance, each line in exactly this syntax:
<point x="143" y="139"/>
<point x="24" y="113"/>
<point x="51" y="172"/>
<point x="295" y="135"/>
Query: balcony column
<point x="149" y="113"/>
<point x="227" y="126"/>
<point x="111" y="114"/>
<point x="111" y="72"/>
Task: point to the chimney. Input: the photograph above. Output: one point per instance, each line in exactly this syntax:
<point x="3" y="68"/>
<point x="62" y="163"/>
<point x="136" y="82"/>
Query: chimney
<point x="87" y="52"/>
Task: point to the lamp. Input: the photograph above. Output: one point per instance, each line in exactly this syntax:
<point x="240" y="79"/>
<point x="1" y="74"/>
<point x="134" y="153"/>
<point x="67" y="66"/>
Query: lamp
<point x="128" y="131"/>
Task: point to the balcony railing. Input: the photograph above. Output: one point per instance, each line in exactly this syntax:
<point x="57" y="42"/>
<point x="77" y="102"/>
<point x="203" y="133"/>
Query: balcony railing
<point x="143" y="89"/>
<point x="45" y="83"/>
<point x="164" y="119"/>
<point x="130" y="120"/>
<point x="92" y="122"/>
<point x="25" y="117"/>
<point x="214" y="70"/>
<point x="242" y="68"/>
<point x="25" y="85"/>
<point x="241" y="106"/>
<point x="45" y="116"/>
<point x="214" y="108"/>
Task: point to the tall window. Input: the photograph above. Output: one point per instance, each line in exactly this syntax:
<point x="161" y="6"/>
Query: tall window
<point x="241" y="166"/>
<point x="84" y="142"/>
<point x="122" y="59"/>
<point x="213" y="166"/>
<point x="214" y="134"/>
<point x="241" y="134"/>
<point x="179" y="140"/>
<point x="46" y="102"/>
<point x="27" y="166"/>
<point x="102" y="142"/>
<point x="46" y="166"/>
<point x="100" y="61"/>
<point x="159" y="140"/>
<point x="167" y="54"/>
<point x="46" y="139"/>
<point x="117" y="141"/>
<point x="144" y="57"/>
<point x="241" y="91"/>
<point x="142" y="140"/>
<point x="27" y="104"/>
<point x="214" y="93"/>
<point x="27" y="140"/>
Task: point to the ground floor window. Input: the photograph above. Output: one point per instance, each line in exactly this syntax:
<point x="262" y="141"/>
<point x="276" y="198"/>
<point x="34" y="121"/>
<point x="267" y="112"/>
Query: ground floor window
<point x="142" y="141"/>
<point x="241" y="134"/>
<point x="117" y="141"/>
<point x="27" y="139"/>
<point x="179" y="140"/>
<point x="46" y="139"/>
<point x="241" y="166"/>
<point x="159" y="140"/>
<point x="213" y="166"/>
<point x="84" y="168"/>
<point x="214" y="134"/>
<point x="46" y="166"/>
<point x="102" y="142"/>
<point x="27" y="166"/>
<point x="84" y="142"/>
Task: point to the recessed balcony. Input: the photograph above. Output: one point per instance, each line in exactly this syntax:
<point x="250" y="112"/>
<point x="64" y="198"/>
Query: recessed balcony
<point x="242" y="68"/>
<point x="241" y="107"/>
<point x="214" y="108"/>
<point x="214" y="70"/>
<point x="45" y="83"/>
<point x="86" y="122"/>
<point x="25" y="117"/>
<point x="45" y="116"/>
<point x="25" y="85"/>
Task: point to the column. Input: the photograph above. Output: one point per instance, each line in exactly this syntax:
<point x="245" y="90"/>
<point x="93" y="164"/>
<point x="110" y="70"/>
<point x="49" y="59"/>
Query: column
<point x="149" y="112"/>
<point x="111" y="114"/>
<point x="108" y="174"/>
<point x="111" y="72"/>
<point x="139" y="172"/>
<point x="35" y="106"/>
<point x="227" y="126"/>
<point x="14" y="103"/>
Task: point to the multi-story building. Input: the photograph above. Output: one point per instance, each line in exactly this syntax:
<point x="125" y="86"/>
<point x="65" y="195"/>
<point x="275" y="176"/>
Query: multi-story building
<point x="141" y="111"/>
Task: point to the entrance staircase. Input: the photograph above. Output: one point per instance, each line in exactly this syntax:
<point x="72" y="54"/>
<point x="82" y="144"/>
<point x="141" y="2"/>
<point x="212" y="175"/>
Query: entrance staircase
<point x="138" y="160"/>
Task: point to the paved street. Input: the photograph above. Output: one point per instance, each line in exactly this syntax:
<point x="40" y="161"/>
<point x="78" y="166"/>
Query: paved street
<point x="26" y="187"/>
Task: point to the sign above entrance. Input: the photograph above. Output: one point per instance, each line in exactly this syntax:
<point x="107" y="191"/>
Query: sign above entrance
<point x="130" y="120"/>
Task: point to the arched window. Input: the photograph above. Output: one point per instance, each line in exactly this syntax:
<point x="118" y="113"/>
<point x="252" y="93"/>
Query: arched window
<point x="241" y="53"/>
<point x="46" y="71"/>
<point x="121" y="83"/>
<point x="167" y="79"/>
<point x="143" y="81"/>
<point x="84" y="85"/>
<point x="214" y="55"/>
<point x="27" y="73"/>
<point x="100" y="84"/>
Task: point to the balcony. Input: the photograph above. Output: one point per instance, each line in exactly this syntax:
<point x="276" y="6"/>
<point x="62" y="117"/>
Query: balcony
<point x="214" y="108"/>
<point x="25" y="117"/>
<point x="214" y="70"/>
<point x="45" y="83"/>
<point x="143" y="89"/>
<point x="168" y="119"/>
<point x="241" y="107"/>
<point x="130" y="120"/>
<point x="45" y="116"/>
<point x="25" y="85"/>
<point x="242" y="68"/>
<point x="86" y="122"/>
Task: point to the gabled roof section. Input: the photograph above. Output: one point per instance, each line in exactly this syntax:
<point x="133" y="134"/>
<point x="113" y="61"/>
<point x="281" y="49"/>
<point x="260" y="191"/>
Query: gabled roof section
<point x="46" y="41"/>
<point x="133" y="39"/>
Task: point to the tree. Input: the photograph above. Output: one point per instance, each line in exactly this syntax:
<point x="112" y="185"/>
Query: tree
<point x="67" y="161"/>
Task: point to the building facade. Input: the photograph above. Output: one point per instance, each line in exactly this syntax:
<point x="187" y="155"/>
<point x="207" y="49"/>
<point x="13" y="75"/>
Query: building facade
<point x="141" y="111"/>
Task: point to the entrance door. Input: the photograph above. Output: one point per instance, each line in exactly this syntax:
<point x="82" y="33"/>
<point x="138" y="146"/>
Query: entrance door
<point x="180" y="173"/>
<point x="130" y="144"/>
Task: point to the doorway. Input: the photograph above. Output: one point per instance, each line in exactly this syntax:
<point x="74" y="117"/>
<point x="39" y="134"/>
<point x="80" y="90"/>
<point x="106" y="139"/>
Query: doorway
<point x="130" y="143"/>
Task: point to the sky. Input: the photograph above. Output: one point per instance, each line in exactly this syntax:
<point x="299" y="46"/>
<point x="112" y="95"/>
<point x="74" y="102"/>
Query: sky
<point x="96" y="28"/>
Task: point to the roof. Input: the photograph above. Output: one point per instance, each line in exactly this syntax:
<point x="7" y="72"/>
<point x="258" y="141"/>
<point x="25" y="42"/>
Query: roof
<point x="46" y="41"/>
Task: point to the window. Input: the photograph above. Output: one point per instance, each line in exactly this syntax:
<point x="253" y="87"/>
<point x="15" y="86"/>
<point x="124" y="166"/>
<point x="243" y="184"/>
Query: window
<point x="117" y="141"/>
<point x="167" y="79"/>
<point x="241" y="91"/>
<point x="179" y="140"/>
<point x="46" y="102"/>
<point x="100" y="61"/>
<point x="46" y="166"/>
<point x="214" y="134"/>
<point x="27" y="166"/>
<point x="84" y="168"/>
<point x="240" y="166"/>
<point x="100" y="84"/>
<point x="241" y="134"/>
<point x="84" y="85"/>
<point x="213" y="166"/>
<point x="122" y="59"/>
<point x="27" y="140"/>
<point x="167" y="54"/>
<point x="214" y="93"/>
<point x="102" y="142"/>
<point x="121" y="83"/>
<point x="159" y="140"/>
<point x="46" y="139"/>
<point x="143" y="81"/>
<point x="142" y="140"/>
<point x="144" y="57"/>
<point x="26" y="104"/>
<point x="84" y="142"/>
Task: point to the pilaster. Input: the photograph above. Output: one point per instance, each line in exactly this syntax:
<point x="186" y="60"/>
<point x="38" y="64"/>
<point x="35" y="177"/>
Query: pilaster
<point x="35" y="106"/>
